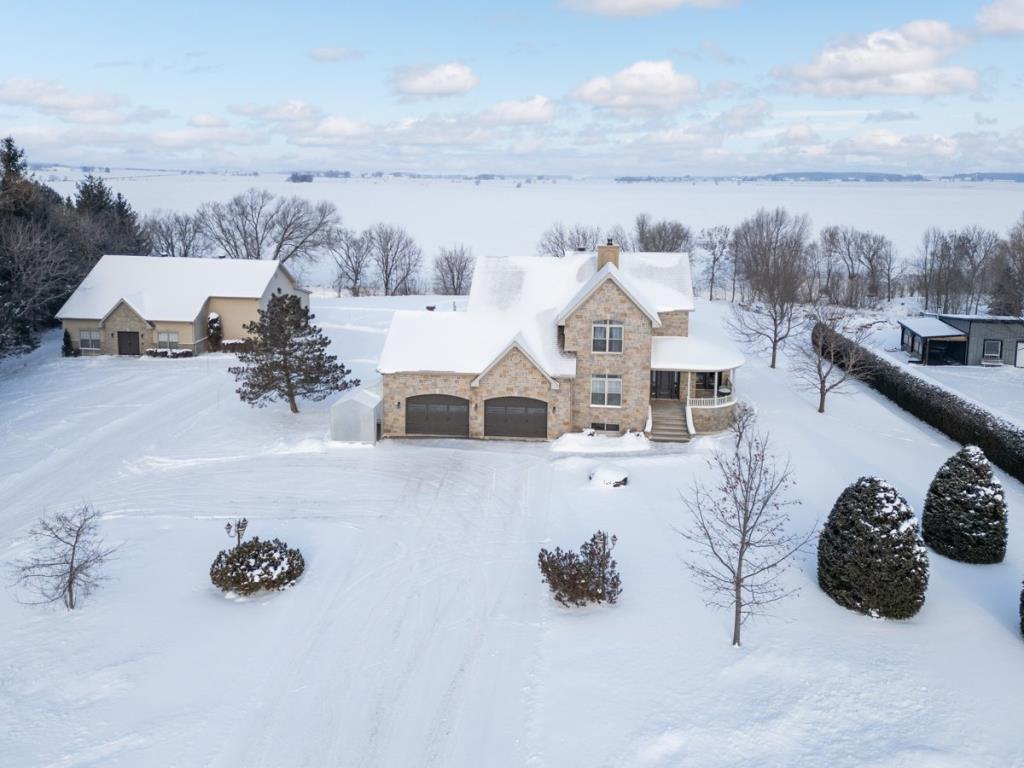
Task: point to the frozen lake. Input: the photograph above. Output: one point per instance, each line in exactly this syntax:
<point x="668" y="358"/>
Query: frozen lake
<point x="500" y="218"/>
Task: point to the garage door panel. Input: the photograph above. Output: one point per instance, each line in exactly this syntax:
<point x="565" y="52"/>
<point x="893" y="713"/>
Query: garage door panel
<point x="515" y="417"/>
<point x="437" y="415"/>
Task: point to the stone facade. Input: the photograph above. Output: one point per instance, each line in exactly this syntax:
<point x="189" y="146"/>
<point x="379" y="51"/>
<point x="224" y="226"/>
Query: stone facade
<point x="717" y="419"/>
<point x="513" y="376"/>
<point x="633" y="364"/>
<point x="674" y="323"/>
<point x="126" y="319"/>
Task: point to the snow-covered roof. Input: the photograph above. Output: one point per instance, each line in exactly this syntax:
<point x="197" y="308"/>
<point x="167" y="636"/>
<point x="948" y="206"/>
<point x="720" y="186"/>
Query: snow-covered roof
<point x="689" y="353"/>
<point x="930" y="327"/>
<point x="987" y="318"/>
<point x="522" y="298"/>
<point x="612" y="273"/>
<point x="165" y="289"/>
<point x="358" y="397"/>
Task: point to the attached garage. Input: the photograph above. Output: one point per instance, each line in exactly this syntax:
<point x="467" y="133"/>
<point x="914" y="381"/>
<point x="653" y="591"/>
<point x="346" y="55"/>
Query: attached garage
<point x="515" y="417"/>
<point x="437" y="415"/>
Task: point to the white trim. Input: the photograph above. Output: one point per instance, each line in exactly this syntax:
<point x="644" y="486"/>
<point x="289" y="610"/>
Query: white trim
<point x="514" y="344"/>
<point x="710" y="402"/>
<point x="607" y="272"/>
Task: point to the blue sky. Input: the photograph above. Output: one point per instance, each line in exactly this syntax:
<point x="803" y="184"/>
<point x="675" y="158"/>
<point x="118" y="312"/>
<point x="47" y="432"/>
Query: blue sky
<point x="587" y="87"/>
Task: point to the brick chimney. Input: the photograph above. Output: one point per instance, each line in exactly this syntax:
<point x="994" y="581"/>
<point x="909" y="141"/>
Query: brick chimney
<point x="607" y="254"/>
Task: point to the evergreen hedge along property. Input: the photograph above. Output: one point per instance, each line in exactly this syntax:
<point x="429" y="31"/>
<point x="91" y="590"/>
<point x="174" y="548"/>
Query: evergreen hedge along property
<point x="964" y="422"/>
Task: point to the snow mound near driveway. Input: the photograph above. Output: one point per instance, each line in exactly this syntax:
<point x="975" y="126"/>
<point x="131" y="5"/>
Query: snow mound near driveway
<point x="589" y="441"/>
<point x="609" y="476"/>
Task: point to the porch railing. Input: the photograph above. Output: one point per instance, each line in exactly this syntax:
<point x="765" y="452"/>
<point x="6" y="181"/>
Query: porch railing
<point x="710" y="402"/>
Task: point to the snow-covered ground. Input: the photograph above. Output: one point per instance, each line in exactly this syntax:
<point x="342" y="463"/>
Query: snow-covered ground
<point x="1000" y="389"/>
<point x="421" y="634"/>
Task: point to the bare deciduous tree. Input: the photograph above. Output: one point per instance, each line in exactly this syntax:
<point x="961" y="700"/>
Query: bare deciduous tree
<point x="397" y="258"/>
<point x="67" y="559"/>
<point x="259" y="225"/>
<point x="826" y="362"/>
<point x="620" y="237"/>
<point x="715" y="243"/>
<point x="739" y="531"/>
<point x="453" y="271"/>
<point x="771" y="249"/>
<point x="664" y="236"/>
<point x="558" y="239"/>
<point x="353" y="262"/>
<point x="174" y="234"/>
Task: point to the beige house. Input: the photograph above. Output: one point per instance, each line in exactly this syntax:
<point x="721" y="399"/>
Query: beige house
<point x="547" y="346"/>
<point x="127" y="305"/>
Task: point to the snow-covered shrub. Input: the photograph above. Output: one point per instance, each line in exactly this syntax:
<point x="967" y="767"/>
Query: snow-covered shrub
<point x="214" y="331"/>
<point x="174" y="353"/>
<point x="965" y="510"/>
<point x="870" y="556"/>
<point x="964" y="422"/>
<point x="256" y="565"/>
<point x="67" y="349"/>
<point x="235" y="345"/>
<point x="591" y="576"/>
<point x="609" y="475"/>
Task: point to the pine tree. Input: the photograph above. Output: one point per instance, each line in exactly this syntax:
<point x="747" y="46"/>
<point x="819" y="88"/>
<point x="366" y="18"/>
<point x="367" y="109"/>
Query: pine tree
<point x="288" y="358"/>
<point x="870" y="556"/>
<point x="12" y="164"/>
<point x="67" y="349"/>
<point x="965" y="510"/>
<point x="214" y="331"/>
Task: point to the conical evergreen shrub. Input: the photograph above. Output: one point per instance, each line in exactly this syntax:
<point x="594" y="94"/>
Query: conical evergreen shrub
<point x="870" y="556"/>
<point x="965" y="510"/>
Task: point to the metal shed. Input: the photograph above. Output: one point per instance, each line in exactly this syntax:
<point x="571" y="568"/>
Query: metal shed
<point x="356" y="415"/>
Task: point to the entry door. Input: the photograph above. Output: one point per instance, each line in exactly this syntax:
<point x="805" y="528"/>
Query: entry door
<point x="1020" y="354"/>
<point x="128" y="343"/>
<point x="665" y="385"/>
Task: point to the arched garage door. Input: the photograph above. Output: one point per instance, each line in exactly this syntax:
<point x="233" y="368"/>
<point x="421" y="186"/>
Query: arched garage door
<point x="515" y="417"/>
<point x="437" y="415"/>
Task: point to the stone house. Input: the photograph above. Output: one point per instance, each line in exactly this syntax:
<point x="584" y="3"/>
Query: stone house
<point x="547" y="346"/>
<point x="129" y="304"/>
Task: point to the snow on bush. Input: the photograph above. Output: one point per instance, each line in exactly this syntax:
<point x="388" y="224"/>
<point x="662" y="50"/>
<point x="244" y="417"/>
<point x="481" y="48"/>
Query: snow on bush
<point x="609" y="476"/>
<point x="590" y="441"/>
<point x="870" y="556"/>
<point x="591" y="576"/>
<point x="154" y="352"/>
<point x="235" y="345"/>
<point x="254" y="566"/>
<point x="965" y="510"/>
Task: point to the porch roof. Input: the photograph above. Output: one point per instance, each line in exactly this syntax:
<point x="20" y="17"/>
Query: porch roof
<point x="932" y="328"/>
<point x="688" y="353"/>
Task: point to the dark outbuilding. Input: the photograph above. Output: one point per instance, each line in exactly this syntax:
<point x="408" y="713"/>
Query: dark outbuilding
<point x="964" y="339"/>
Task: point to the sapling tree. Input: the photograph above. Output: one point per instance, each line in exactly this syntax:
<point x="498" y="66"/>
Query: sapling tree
<point x="740" y="528"/>
<point x="833" y="352"/>
<point x="67" y="558"/>
<point x="288" y="358"/>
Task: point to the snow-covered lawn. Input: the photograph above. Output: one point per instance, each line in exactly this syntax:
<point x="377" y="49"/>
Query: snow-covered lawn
<point x="999" y="389"/>
<point x="420" y="634"/>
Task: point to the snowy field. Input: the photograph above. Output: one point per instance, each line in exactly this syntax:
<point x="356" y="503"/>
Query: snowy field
<point x="420" y="634"/>
<point x="497" y="218"/>
<point x="999" y="389"/>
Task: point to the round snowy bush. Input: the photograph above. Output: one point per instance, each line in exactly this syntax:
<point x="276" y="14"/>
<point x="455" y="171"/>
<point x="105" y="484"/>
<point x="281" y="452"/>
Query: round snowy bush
<point x="256" y="565"/>
<point x="870" y="556"/>
<point x="608" y="475"/>
<point x="965" y="510"/>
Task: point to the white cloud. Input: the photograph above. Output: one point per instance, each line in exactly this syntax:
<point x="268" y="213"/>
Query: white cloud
<point x="49" y="97"/>
<point x="798" y="134"/>
<point x="190" y="138"/>
<point x="904" y="62"/>
<point x="735" y="121"/>
<point x="539" y="109"/>
<point x="443" y="80"/>
<point x="333" y="54"/>
<point x="291" y="111"/>
<point x="889" y="116"/>
<point x="438" y="130"/>
<point x="646" y="85"/>
<point x="1003" y="17"/>
<point x="205" y="120"/>
<point x="642" y="7"/>
<point x="889" y="144"/>
<point x="333" y="130"/>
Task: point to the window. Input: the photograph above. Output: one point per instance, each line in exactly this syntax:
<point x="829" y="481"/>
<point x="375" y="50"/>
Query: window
<point x="89" y="340"/>
<point x="598" y="426"/>
<point x="606" y="391"/>
<point x="167" y="340"/>
<point x="705" y="380"/>
<point x="607" y="336"/>
<point x="993" y="348"/>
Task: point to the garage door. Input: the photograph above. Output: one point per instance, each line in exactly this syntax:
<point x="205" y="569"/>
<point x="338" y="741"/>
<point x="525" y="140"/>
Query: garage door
<point x="515" y="417"/>
<point x="437" y="415"/>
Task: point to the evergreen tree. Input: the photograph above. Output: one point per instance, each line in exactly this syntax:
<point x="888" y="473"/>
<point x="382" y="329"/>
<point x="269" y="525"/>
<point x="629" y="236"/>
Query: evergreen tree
<point x="870" y="556"/>
<point x="12" y="164"/>
<point x="288" y="358"/>
<point x="214" y="331"/>
<point x="965" y="510"/>
<point x="67" y="349"/>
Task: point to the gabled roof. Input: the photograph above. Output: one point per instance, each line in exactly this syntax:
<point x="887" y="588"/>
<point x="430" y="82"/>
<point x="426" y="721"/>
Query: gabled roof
<point x="608" y="272"/>
<point x="930" y="327"/>
<point x="166" y="289"/>
<point x="517" y="343"/>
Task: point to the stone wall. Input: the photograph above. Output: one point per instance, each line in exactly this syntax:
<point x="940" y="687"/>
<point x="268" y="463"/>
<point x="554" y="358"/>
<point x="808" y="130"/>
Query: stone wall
<point x="674" y="323"/>
<point x="716" y="419"/>
<point x="633" y="364"/>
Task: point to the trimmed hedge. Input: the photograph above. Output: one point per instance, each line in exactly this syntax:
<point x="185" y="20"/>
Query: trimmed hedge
<point x="171" y="353"/>
<point x="235" y="345"/>
<point x="964" y="422"/>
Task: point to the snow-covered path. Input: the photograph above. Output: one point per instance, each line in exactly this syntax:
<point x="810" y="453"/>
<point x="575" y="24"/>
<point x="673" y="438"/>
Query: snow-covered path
<point x="420" y="634"/>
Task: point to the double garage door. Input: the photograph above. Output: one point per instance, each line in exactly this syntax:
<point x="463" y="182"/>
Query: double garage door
<point x="449" y="415"/>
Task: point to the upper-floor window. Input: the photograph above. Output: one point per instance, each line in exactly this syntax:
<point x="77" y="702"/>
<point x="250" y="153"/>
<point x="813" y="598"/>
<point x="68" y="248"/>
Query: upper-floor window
<point x="993" y="348"/>
<point x="88" y="340"/>
<point x="167" y="340"/>
<point x="607" y="336"/>
<point x="606" y="390"/>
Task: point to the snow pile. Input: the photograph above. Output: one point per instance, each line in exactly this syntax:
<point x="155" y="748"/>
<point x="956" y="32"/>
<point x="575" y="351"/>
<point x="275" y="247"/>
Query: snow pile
<point x="589" y="441"/>
<point x="609" y="476"/>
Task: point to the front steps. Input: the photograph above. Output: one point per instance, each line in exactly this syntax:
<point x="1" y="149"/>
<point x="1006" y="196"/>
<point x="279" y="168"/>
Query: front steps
<point x="668" y="422"/>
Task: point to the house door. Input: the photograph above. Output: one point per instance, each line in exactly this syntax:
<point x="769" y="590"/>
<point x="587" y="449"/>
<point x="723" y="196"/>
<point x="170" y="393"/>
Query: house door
<point x="128" y="343"/>
<point x="1020" y="354"/>
<point x="665" y="385"/>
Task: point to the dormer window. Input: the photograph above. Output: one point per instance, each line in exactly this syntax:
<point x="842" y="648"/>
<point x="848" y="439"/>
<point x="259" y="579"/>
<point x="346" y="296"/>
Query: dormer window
<point x="607" y="336"/>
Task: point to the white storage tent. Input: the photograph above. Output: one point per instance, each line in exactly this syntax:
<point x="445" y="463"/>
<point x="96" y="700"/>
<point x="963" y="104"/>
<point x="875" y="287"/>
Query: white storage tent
<point x="357" y="414"/>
